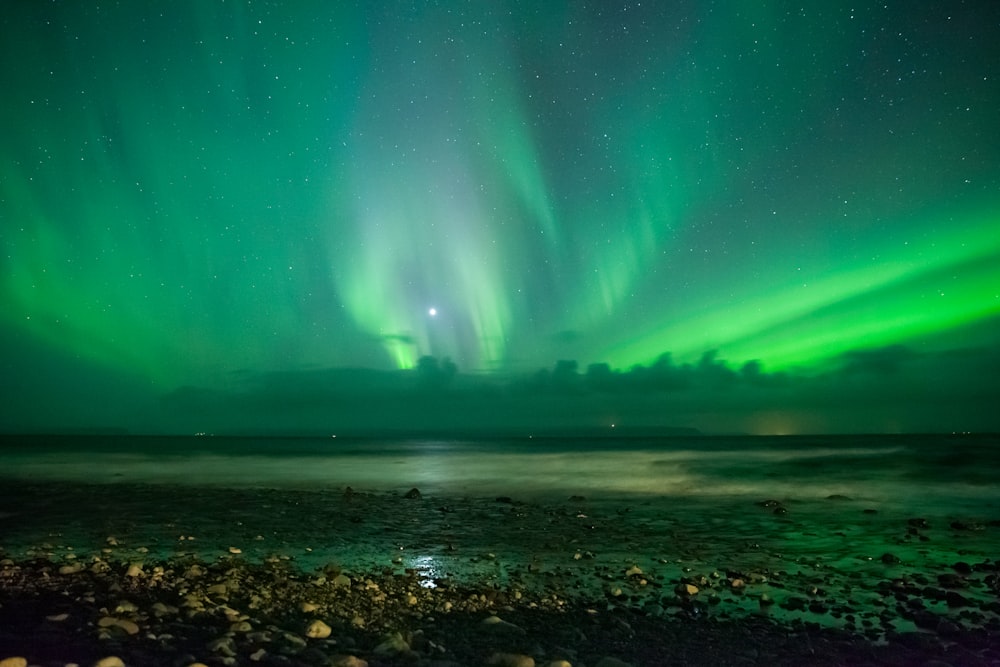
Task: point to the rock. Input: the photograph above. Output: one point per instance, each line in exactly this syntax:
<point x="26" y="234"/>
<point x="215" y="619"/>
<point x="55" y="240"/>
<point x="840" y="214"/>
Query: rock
<point x="14" y="661"/>
<point x="392" y="644"/>
<point x="130" y="627"/>
<point x="341" y="581"/>
<point x="890" y="559"/>
<point x="308" y="607"/>
<point x="686" y="589"/>
<point x="258" y="655"/>
<point x="497" y="624"/>
<point x="413" y="494"/>
<point x="55" y="618"/>
<point x="134" y="570"/>
<point x="510" y="660"/>
<point x="962" y="568"/>
<point x="71" y="569"/>
<point x="347" y="661"/>
<point x="110" y="661"/>
<point x="318" y="630"/>
<point x="224" y="646"/>
<point x="949" y="580"/>
<point x="634" y="571"/>
<point x="217" y="589"/>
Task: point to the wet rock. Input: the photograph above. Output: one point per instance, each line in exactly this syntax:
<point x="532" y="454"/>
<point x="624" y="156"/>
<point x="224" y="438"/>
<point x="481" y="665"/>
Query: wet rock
<point x="612" y="662"/>
<point x="954" y="599"/>
<point x="890" y="559"/>
<point x="347" y="661"/>
<point x="392" y="644"/>
<point x="14" y="661"/>
<point x="110" y="661"/>
<point x="498" y="625"/>
<point x="963" y="568"/>
<point x="413" y="494"/>
<point x="686" y="589"/>
<point x="949" y="580"/>
<point x="918" y="523"/>
<point x="318" y="630"/>
<point x="510" y="660"/>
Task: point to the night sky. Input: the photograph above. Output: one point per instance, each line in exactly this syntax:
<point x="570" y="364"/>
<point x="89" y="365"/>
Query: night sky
<point x="762" y="217"/>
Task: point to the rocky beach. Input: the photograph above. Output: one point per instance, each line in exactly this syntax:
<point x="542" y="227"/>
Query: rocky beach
<point x="160" y="574"/>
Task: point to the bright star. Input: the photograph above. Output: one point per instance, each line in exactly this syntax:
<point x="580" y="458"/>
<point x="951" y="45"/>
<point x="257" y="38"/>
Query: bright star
<point x="432" y="311"/>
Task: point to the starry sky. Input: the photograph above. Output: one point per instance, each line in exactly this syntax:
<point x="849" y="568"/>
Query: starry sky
<point x="761" y="217"/>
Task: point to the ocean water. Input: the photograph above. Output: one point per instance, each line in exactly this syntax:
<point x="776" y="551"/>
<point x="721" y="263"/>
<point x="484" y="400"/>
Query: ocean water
<point x="791" y="511"/>
<point x="928" y="474"/>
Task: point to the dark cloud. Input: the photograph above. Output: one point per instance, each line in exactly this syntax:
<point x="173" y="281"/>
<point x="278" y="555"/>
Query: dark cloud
<point x="892" y="388"/>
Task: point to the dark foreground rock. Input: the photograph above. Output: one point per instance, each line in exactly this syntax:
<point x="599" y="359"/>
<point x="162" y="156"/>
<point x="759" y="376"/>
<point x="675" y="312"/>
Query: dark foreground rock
<point x="231" y="612"/>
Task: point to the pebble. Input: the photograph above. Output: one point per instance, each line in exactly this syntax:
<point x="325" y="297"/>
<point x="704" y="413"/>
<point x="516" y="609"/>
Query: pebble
<point x="347" y="661"/>
<point x="318" y="630"/>
<point x="510" y="660"/>
<point x="392" y="644"/>
<point x="14" y="661"/>
<point x="612" y="662"/>
<point x="110" y="661"/>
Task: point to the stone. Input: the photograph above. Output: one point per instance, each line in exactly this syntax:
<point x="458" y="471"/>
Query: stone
<point x="134" y="570"/>
<point x="130" y="627"/>
<point x="499" y="659"/>
<point x="559" y="663"/>
<point x="347" y="661"/>
<point x="392" y="644"/>
<point x="14" y="661"/>
<point x="224" y="646"/>
<point x="110" y="661"/>
<point x="686" y="589"/>
<point x="413" y="494"/>
<point x="341" y="581"/>
<point x="318" y="630"/>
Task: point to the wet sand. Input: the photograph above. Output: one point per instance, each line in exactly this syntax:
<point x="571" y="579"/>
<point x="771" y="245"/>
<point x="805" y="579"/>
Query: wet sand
<point x="175" y="575"/>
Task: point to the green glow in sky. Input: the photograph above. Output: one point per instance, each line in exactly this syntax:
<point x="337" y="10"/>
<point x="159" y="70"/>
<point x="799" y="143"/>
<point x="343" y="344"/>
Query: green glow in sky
<point x="243" y="187"/>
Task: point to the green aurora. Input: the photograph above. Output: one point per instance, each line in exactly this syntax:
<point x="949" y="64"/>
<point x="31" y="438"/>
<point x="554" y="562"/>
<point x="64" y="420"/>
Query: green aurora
<point x="200" y="197"/>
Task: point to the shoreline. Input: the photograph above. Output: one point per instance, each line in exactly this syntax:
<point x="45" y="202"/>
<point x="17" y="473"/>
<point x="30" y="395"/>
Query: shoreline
<point x="176" y="575"/>
<point x="231" y="612"/>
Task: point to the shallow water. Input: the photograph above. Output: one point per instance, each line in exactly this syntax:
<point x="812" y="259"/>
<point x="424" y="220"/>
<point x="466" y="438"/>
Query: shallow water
<point x="571" y="514"/>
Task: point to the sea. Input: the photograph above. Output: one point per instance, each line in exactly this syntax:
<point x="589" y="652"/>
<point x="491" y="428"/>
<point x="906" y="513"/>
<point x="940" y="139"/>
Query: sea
<point x="847" y="512"/>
